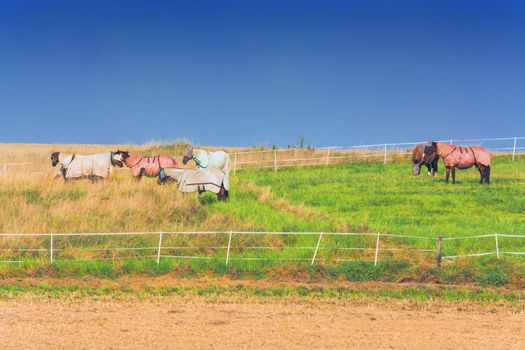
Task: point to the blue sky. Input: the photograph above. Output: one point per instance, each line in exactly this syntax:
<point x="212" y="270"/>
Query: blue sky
<point x="260" y="72"/>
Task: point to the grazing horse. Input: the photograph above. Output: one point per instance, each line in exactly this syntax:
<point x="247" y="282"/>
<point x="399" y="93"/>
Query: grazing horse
<point x="94" y="167"/>
<point x="417" y="161"/>
<point x="462" y="158"/>
<point x="147" y="166"/>
<point x="207" y="180"/>
<point x="208" y="160"/>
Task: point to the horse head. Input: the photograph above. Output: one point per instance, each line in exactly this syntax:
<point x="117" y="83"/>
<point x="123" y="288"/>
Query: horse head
<point x="423" y="154"/>
<point x="430" y="152"/>
<point x="54" y="158"/>
<point x="117" y="158"/>
<point x="187" y="155"/>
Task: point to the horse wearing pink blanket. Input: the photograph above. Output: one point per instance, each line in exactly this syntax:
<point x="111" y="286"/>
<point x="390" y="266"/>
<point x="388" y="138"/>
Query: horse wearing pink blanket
<point x="461" y="158"/>
<point x="147" y="166"/>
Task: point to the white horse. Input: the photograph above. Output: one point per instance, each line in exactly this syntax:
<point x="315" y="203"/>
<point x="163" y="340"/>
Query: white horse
<point x="207" y="180"/>
<point x="208" y="160"/>
<point x="94" y="167"/>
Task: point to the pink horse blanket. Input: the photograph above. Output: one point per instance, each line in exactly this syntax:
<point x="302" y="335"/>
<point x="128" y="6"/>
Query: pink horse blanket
<point x="151" y="165"/>
<point x="465" y="157"/>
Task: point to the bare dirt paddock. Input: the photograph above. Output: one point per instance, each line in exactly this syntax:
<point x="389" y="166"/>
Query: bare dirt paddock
<point x="233" y="322"/>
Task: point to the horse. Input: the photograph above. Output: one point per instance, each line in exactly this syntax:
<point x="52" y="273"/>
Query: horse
<point x="460" y="157"/>
<point x="94" y="167"/>
<point x="207" y="180"/>
<point x="147" y="166"/>
<point x="208" y="160"/>
<point x="417" y="161"/>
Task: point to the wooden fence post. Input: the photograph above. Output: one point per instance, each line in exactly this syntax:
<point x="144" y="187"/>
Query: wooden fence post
<point x="235" y="163"/>
<point x="384" y="157"/>
<point x="439" y="252"/>
<point x="328" y="156"/>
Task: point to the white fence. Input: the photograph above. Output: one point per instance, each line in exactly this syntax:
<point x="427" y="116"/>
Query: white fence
<point x="306" y="247"/>
<point x="383" y="152"/>
<point x="277" y="158"/>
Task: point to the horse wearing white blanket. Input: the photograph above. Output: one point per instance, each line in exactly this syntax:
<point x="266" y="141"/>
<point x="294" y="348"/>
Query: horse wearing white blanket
<point x="208" y="180"/>
<point x="78" y="166"/>
<point x="208" y="160"/>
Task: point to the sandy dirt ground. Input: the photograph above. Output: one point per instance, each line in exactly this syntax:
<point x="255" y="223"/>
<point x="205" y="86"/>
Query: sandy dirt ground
<point x="233" y="322"/>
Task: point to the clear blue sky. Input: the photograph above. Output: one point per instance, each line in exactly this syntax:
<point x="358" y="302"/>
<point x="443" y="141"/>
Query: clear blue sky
<point x="251" y="72"/>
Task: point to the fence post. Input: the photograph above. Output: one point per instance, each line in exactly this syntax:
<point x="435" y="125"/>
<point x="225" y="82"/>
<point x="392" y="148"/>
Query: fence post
<point x="228" y="251"/>
<point x="328" y="156"/>
<point x="439" y="252"/>
<point x="235" y="163"/>
<point x="275" y="160"/>
<point x="160" y="245"/>
<point x="316" y="249"/>
<point x="384" y="158"/>
<point x="5" y="170"/>
<point x="514" y="149"/>
<point x="377" y="249"/>
<point x="51" y="249"/>
<point x="497" y="246"/>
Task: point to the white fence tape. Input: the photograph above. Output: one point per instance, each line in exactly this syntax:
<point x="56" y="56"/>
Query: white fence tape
<point x="232" y="250"/>
<point x="281" y="158"/>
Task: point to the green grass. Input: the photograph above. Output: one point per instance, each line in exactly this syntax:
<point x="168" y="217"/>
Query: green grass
<point x="387" y="199"/>
<point x="365" y="198"/>
<point x="240" y="290"/>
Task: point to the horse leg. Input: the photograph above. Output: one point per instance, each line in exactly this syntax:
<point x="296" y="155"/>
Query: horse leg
<point x="487" y="174"/>
<point x="95" y="178"/>
<point x="434" y="168"/>
<point x="453" y="175"/>
<point x="481" y="169"/>
<point x="221" y="195"/>
<point x="428" y="169"/>
<point x="141" y="173"/>
<point x="448" y="174"/>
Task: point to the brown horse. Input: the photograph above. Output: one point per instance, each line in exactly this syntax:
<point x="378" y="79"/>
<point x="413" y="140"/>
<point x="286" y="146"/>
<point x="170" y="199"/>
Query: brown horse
<point x="147" y="166"/>
<point x="417" y="160"/>
<point x="462" y="158"/>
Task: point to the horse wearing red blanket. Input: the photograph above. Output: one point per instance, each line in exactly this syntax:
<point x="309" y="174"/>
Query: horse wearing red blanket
<point x="147" y="166"/>
<point x="461" y="158"/>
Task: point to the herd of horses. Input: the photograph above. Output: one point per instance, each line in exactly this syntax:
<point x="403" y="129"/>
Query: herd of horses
<point x="211" y="173"/>
<point x="454" y="157"/>
<point x="212" y="169"/>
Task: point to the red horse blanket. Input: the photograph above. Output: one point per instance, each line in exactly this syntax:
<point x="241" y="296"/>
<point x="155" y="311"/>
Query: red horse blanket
<point x="151" y="165"/>
<point x="465" y="157"/>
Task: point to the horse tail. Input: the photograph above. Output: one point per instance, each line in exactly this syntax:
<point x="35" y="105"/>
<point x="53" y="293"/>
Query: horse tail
<point x="487" y="174"/>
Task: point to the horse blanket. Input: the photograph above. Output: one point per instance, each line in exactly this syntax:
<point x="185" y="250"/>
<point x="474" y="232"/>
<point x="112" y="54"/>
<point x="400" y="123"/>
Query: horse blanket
<point x="208" y="160"/>
<point x="465" y="157"/>
<point x="151" y="165"/>
<point x="210" y="180"/>
<point x="78" y="165"/>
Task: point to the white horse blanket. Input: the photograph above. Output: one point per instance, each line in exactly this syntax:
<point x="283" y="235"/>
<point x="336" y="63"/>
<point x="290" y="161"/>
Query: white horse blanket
<point x="75" y="166"/>
<point x="189" y="180"/>
<point x="210" y="160"/>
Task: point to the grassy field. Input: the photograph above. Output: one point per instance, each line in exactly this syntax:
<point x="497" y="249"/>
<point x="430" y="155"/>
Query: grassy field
<point x="364" y="197"/>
